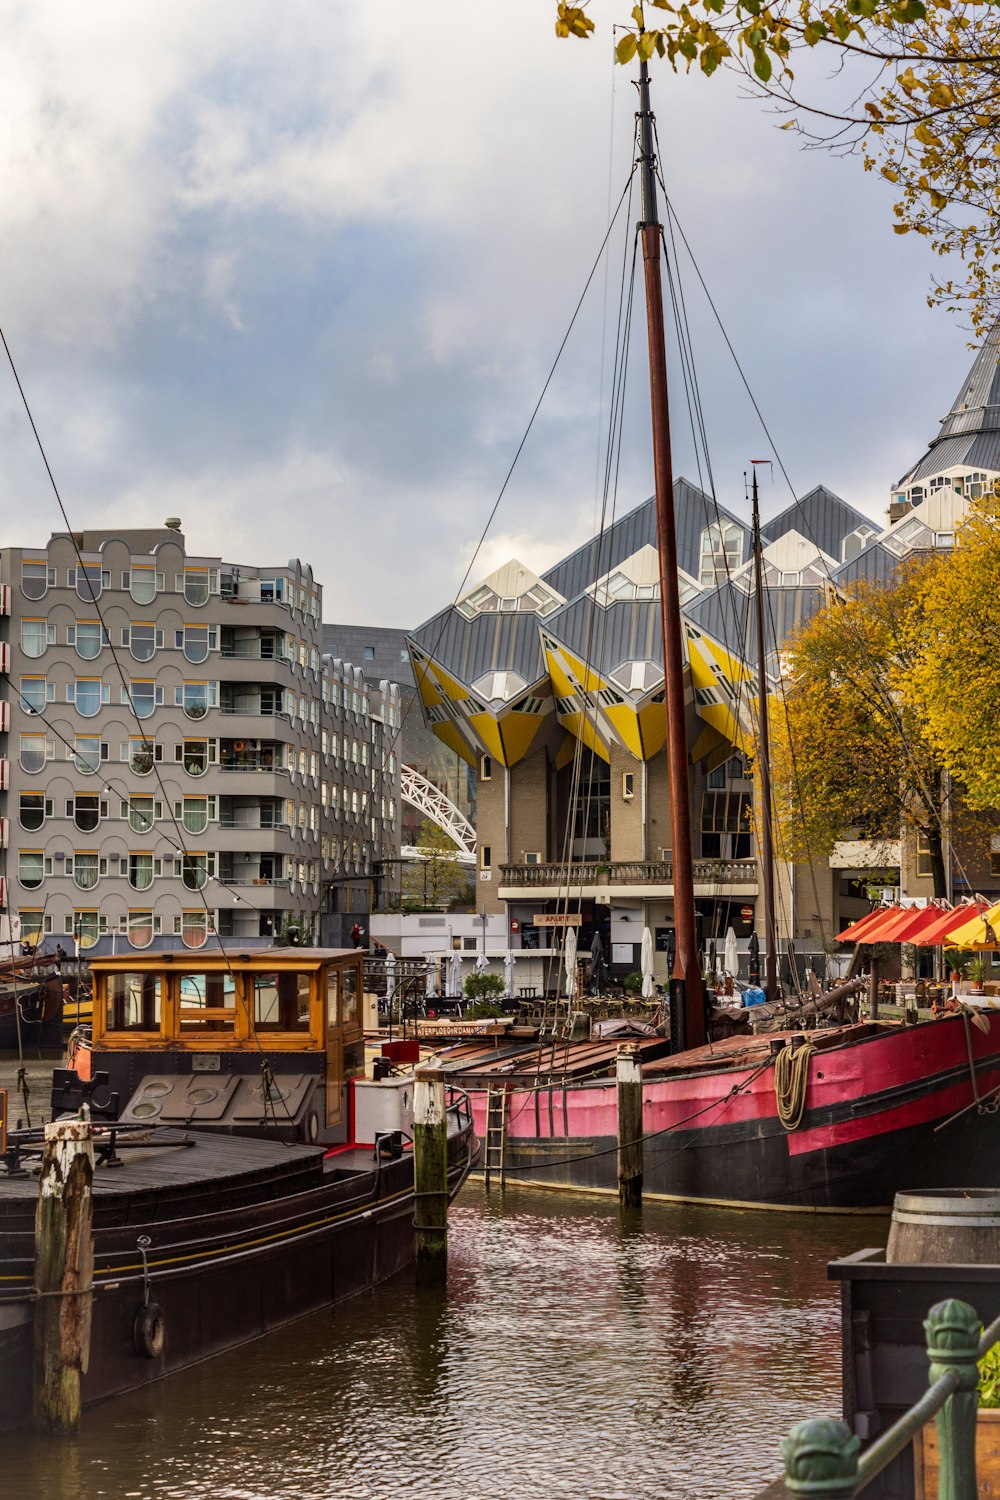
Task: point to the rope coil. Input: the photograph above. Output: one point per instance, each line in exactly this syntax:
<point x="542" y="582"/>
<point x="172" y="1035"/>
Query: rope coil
<point x="791" y="1081"/>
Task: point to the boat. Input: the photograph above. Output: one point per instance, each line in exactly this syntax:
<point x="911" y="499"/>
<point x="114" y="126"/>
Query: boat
<point x="31" y="1002"/>
<point x="834" y="1119"/>
<point x="248" y="1172"/>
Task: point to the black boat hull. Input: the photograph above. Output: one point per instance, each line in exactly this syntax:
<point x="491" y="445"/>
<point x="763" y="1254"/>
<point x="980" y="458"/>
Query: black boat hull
<point x="227" y="1264"/>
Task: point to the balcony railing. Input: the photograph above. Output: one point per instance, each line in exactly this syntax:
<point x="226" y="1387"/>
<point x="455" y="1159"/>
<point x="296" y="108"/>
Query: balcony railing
<point x="254" y="880"/>
<point x="245" y="827"/>
<point x="254" y="710"/>
<point x="251" y="651"/>
<point x="628" y="872"/>
<point x="252" y="763"/>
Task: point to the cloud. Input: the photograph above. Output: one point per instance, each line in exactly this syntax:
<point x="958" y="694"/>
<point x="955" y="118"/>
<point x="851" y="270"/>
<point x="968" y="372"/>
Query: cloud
<point x="303" y="283"/>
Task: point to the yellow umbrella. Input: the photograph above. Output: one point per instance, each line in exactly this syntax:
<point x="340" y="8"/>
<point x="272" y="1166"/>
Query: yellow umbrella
<point x="979" y="932"/>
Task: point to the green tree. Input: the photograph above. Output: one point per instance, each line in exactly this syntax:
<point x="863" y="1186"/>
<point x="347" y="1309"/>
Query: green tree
<point x="436" y="879"/>
<point x="911" y="89"/>
<point x="850" y="749"/>
<point x="955" y="679"/>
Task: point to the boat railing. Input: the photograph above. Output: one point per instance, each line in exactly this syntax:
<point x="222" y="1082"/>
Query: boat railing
<point x="822" y="1456"/>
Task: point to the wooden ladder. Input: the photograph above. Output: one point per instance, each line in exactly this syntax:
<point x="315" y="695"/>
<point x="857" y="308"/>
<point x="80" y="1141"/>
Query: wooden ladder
<point x="496" y="1133"/>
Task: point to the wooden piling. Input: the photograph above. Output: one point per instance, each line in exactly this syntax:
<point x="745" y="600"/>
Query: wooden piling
<point x="430" y="1177"/>
<point x="628" y="1072"/>
<point x="64" y="1268"/>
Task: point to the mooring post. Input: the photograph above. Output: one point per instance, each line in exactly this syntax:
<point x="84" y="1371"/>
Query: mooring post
<point x="952" y="1330"/>
<point x="430" y="1177"/>
<point x="628" y="1072"/>
<point x="821" y="1460"/>
<point x="64" y="1273"/>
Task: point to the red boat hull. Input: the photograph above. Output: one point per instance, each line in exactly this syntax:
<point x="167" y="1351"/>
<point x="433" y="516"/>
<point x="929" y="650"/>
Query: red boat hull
<point x="712" y="1134"/>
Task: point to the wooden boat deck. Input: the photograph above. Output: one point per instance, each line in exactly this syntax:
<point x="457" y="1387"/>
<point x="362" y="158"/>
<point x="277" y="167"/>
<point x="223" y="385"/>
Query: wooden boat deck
<point x="175" y="1158"/>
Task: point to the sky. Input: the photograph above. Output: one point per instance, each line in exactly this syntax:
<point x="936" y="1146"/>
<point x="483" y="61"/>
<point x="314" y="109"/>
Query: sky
<point x="298" y="273"/>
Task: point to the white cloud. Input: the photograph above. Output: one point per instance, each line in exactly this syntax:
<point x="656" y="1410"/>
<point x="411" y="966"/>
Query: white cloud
<point x="301" y="284"/>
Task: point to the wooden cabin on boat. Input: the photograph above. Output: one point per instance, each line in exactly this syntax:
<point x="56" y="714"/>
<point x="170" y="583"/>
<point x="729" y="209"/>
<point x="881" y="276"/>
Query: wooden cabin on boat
<point x="263" y="1042"/>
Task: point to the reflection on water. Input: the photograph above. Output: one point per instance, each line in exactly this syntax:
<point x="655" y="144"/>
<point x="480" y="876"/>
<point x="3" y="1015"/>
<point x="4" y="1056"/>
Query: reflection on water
<point x="575" y="1353"/>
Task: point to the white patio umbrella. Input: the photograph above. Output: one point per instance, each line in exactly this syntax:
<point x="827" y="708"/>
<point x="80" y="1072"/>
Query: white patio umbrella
<point x="482" y="962"/>
<point x="431" y="961"/>
<point x="455" y="975"/>
<point x="569" y="959"/>
<point x="646" y="963"/>
<point x="390" y="978"/>
<point x="731" y="958"/>
<point x="508" y="974"/>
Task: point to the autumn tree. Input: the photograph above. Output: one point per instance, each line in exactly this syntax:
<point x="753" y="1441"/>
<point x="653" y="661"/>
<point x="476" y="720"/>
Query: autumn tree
<point x="849" y="744"/>
<point x="911" y="87"/>
<point x="955" y="680"/>
<point x="435" y="879"/>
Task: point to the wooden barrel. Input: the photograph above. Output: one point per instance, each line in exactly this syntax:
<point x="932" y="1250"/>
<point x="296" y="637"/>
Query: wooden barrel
<point x="945" y="1226"/>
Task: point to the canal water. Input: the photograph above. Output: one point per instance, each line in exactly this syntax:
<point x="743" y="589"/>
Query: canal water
<point x="573" y="1355"/>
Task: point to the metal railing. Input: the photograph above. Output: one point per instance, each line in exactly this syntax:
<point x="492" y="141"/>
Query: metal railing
<point x="254" y="711"/>
<point x="252" y="763"/>
<point x="251" y="651"/>
<point x="241" y="826"/>
<point x="628" y="872"/>
<point x="225" y="879"/>
<point x="822" y="1458"/>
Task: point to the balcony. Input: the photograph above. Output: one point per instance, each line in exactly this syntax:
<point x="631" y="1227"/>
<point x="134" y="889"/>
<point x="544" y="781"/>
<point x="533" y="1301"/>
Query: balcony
<point x="254" y="710"/>
<point x="252" y="763"/>
<point x="247" y="825"/>
<point x="648" y="878"/>
<point x="252" y="651"/>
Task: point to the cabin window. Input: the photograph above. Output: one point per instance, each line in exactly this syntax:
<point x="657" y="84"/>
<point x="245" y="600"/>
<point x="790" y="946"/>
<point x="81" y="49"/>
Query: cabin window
<point x="332" y="999"/>
<point x="133" y="1002"/>
<point x="349" y="995"/>
<point x="207" y="1003"/>
<point x="281" y="1002"/>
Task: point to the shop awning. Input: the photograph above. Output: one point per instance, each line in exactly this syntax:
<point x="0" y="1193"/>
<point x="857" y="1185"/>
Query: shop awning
<point x="944" y="921"/>
<point x="908" y="928"/>
<point x="979" y="931"/>
<point x="859" y="931"/>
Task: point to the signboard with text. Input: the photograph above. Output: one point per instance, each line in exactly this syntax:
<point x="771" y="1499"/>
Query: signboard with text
<point x="557" y="919"/>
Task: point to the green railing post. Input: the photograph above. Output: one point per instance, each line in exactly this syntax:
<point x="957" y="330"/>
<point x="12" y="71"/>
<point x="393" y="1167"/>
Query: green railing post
<point x="821" y="1460"/>
<point x="952" y="1330"/>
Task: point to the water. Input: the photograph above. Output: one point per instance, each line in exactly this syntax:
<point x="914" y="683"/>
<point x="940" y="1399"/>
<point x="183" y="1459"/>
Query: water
<point x="572" y="1355"/>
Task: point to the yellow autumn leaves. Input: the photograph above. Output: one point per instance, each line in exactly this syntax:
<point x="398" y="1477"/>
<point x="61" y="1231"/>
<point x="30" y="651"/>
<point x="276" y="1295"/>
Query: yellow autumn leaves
<point x="925" y="113"/>
<point x="889" y="689"/>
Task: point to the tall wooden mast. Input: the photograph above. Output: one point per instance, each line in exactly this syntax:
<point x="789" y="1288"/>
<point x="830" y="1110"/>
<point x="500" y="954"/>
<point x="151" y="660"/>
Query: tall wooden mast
<point x="764" y="762"/>
<point x="687" y="1005"/>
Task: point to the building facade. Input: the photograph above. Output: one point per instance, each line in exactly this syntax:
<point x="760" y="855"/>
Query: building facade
<point x="383" y="656"/>
<point x="180" y="764"/>
<point x="551" y="688"/>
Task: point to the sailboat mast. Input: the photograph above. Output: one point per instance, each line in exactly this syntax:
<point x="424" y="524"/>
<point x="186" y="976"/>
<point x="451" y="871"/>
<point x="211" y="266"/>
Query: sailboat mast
<point x="764" y="761"/>
<point x="687" y="1009"/>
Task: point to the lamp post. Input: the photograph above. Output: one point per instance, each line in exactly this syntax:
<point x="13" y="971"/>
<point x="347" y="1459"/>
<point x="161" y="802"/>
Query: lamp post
<point x="484" y="918"/>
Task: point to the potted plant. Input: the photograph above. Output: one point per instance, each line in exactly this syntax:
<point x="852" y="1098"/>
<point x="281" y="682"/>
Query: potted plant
<point x="977" y="973"/>
<point x="956" y="964"/>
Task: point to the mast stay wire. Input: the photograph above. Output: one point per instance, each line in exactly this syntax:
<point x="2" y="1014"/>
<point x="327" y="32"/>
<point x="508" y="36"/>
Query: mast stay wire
<point x="886" y="706"/>
<point x="673" y="220"/>
<point x="614" y="441"/>
<point x="431" y="652"/>
<point x="127" y="693"/>
<point x="722" y="889"/>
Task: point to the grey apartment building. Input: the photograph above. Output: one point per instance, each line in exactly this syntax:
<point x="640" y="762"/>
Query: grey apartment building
<point x="179" y="761"/>
<point x="382" y="654"/>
